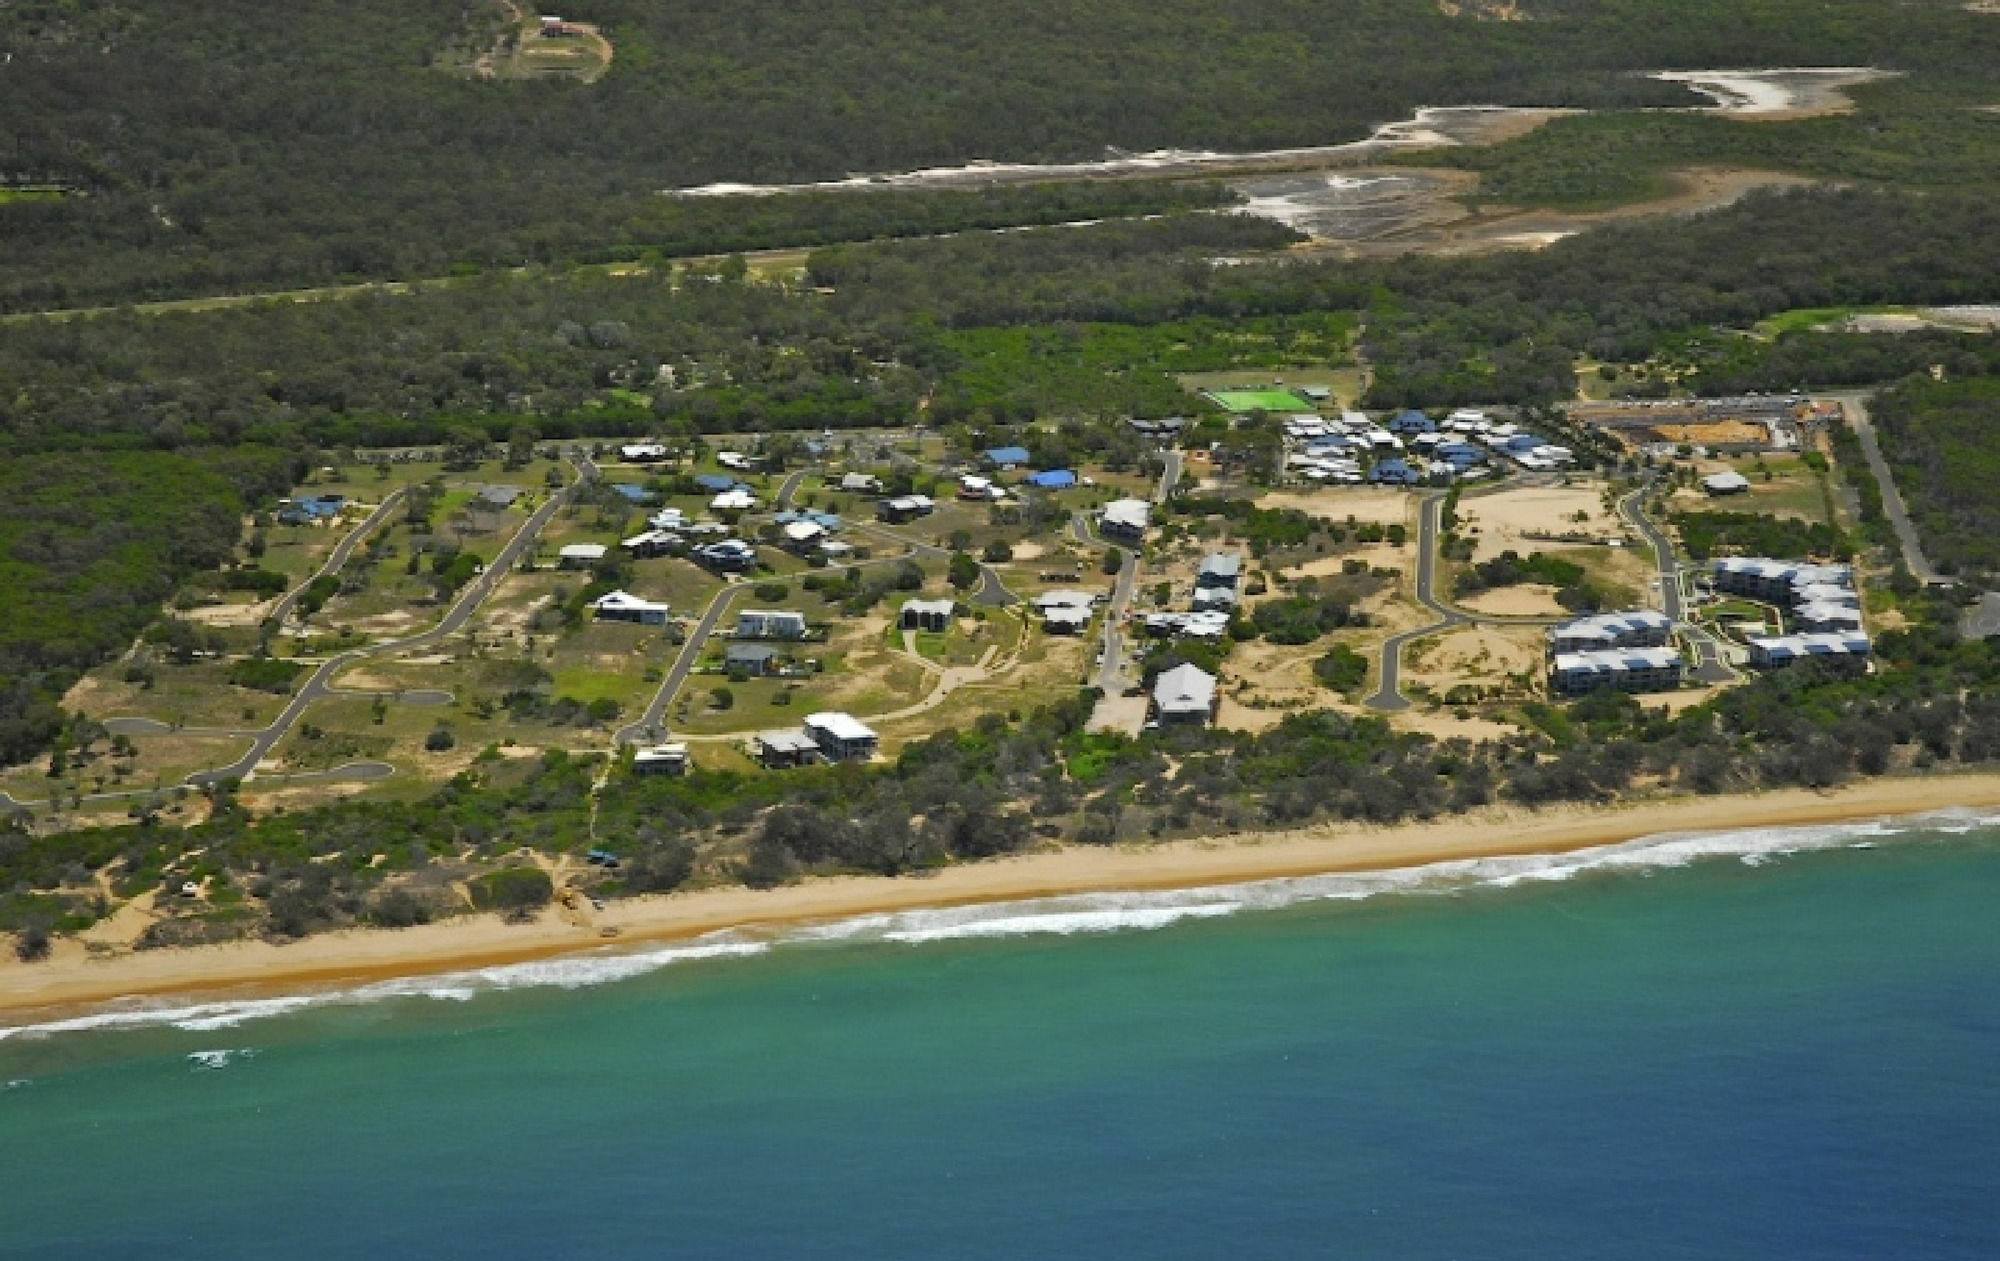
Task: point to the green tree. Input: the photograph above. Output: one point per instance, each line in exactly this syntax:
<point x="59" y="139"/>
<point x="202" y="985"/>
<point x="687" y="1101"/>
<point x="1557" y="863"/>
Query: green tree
<point x="963" y="571"/>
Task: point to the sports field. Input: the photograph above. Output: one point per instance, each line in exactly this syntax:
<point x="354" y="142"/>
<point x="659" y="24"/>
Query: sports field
<point x="1259" y="400"/>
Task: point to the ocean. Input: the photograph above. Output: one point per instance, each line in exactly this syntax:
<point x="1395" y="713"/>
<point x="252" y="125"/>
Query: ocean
<point x="1781" y="1043"/>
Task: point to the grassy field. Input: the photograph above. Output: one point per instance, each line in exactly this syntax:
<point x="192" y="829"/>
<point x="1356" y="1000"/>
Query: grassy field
<point x="1260" y="400"/>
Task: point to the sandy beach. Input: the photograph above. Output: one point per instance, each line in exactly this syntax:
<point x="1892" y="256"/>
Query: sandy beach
<point x="73" y="979"/>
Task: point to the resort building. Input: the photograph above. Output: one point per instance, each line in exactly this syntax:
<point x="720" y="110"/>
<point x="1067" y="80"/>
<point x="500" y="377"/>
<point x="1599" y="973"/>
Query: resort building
<point x="1619" y="669"/>
<point x="1640" y="628"/>
<point x="1783" y="582"/>
<point x="1847" y="651"/>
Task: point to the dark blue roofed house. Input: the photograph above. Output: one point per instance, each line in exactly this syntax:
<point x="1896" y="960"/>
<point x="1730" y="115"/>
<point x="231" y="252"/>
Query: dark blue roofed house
<point x="1007" y="457"/>
<point x="1458" y="454"/>
<point x="1052" y="479"/>
<point x="635" y="494"/>
<point x="306" y="509"/>
<point x="715" y="483"/>
<point x="1412" y="421"/>
<point x="1394" y="473"/>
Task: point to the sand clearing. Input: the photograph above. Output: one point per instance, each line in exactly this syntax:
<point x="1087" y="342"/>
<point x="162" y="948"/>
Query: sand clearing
<point x="1531" y="599"/>
<point x="1504" y="519"/>
<point x="1775" y="95"/>
<point x="1338" y="503"/>
<point x="71" y="978"/>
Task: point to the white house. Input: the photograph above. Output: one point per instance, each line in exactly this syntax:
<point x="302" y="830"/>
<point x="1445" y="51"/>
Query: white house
<point x="1184" y="694"/>
<point x="842" y="737"/>
<point x="580" y="555"/>
<point x="770" y="624"/>
<point x="1126" y="519"/>
<point x="733" y="501"/>
<point x="622" y="606"/>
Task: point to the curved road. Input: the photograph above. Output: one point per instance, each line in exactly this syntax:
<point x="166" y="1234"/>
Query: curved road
<point x="1710" y="666"/>
<point x="337" y="559"/>
<point x="461" y="611"/>
<point x="1388" y="695"/>
<point x="652" y="723"/>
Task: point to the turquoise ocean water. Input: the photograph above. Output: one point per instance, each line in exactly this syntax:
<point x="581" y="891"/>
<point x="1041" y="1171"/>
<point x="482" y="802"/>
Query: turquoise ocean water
<point x="1771" y="1044"/>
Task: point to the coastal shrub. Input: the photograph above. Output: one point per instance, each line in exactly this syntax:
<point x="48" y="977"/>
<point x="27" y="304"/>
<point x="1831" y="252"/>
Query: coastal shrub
<point x="1341" y="669"/>
<point x="512" y="889"/>
<point x="264" y="674"/>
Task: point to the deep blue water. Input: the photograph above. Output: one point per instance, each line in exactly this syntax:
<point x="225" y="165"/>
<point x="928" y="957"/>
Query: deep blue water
<point x="1799" y="1058"/>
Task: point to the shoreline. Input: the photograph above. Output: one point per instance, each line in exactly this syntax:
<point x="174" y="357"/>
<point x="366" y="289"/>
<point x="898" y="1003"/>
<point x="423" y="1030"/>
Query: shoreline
<point x="74" y="981"/>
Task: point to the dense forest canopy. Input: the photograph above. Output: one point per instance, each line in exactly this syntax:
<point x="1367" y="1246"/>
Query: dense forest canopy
<point x="241" y="145"/>
<point x="1081" y="320"/>
<point x="90" y="545"/>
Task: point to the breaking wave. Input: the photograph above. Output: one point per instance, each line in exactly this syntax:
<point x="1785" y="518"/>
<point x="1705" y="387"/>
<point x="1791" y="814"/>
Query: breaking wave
<point x="1064" y="915"/>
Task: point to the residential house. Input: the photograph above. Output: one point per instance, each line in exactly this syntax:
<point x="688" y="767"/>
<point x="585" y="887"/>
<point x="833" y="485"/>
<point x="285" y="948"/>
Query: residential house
<point x="860" y="483"/>
<point x="622" y="606"/>
<point x="1411" y="422"/>
<point x="581" y="555"/>
<point x="661" y="759"/>
<point x="726" y="556"/>
<point x="1125" y="520"/>
<point x="733" y="501"/>
<point x="770" y="624"/>
<point x="715" y="483"/>
<point x="842" y="737"/>
<point x="1006" y="457"/>
<point x="642" y="453"/>
<point x="1219" y="570"/>
<point x="500" y="495"/>
<point x="1066" y="619"/>
<point x="927" y="615"/>
<point x="904" y="508"/>
<point x="749" y="660"/>
<point x="1184" y="694"/>
<point x="652" y="543"/>
<point x="1394" y="472"/>
<point x="778" y="749"/>
<point x="634" y="493"/>
<point x="1052" y="479"/>
<point x="1729" y="482"/>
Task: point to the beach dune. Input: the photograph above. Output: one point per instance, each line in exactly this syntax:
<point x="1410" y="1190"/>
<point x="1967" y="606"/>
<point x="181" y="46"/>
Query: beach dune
<point x="75" y="979"/>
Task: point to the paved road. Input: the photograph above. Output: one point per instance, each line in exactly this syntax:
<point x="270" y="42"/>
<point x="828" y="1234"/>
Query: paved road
<point x="1856" y="408"/>
<point x="652" y="723"/>
<point x="461" y="611"/>
<point x="1111" y="663"/>
<point x="790" y="487"/>
<point x="1710" y="666"/>
<point x="1388" y="694"/>
<point x="337" y="560"/>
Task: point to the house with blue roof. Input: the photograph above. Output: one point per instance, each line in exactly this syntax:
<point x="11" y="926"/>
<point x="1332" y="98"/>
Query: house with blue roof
<point x="307" y="509"/>
<point x="1007" y="457"/>
<point x="1052" y="479"/>
<point x="634" y="493"/>
<point x="1457" y="454"/>
<point x="1394" y="473"/>
<point x="1412" y="421"/>
<point x="716" y="483"/>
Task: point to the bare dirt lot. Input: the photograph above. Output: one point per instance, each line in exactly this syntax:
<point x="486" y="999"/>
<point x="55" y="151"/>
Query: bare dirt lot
<point x="1532" y="599"/>
<point x="1483" y="657"/>
<point x="1504" y="520"/>
<point x="1387" y="507"/>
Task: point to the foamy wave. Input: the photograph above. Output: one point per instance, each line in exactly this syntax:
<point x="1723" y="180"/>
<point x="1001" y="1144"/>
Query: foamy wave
<point x="1063" y="916"/>
<point x="210" y="1061"/>
<point x="568" y="972"/>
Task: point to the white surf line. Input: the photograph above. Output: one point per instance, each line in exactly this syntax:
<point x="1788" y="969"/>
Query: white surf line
<point x="1061" y="915"/>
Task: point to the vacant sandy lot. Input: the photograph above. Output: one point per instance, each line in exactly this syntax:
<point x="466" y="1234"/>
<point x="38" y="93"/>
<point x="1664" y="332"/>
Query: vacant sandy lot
<point x="1338" y="503"/>
<point x="1483" y="657"/>
<point x="1502" y="520"/>
<point x="1533" y="599"/>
